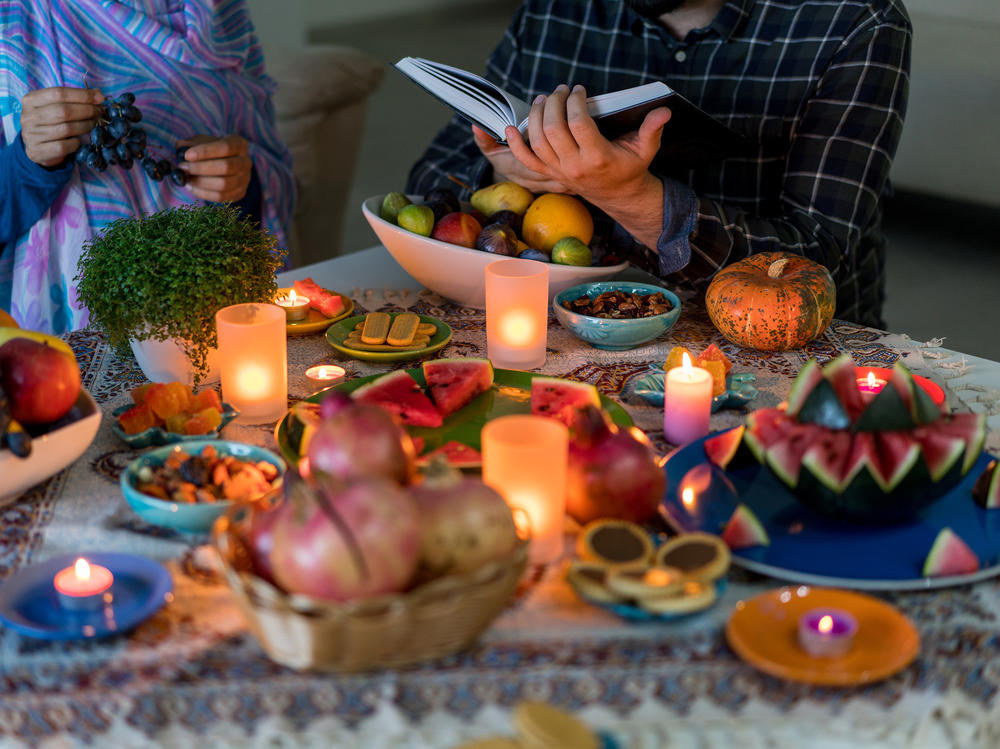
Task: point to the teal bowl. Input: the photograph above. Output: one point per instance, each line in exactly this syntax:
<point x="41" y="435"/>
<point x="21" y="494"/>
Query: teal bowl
<point x="611" y="334"/>
<point x="182" y="516"/>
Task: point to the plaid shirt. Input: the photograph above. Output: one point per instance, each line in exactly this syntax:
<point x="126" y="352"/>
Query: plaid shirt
<point x="818" y="86"/>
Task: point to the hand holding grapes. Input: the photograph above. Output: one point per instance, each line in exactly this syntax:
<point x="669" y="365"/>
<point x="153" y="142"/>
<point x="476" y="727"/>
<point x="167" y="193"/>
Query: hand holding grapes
<point x="54" y="119"/>
<point x="218" y="169"/>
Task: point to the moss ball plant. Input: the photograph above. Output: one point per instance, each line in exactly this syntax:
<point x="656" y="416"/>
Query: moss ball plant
<point x="165" y="275"/>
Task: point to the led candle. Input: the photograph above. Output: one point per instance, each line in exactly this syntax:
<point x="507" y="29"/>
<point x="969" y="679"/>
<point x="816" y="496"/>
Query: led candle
<point x="524" y="458"/>
<point x="253" y="361"/>
<point x="296" y="307"/>
<point x="687" y="403"/>
<point x="827" y="633"/>
<point x="83" y="586"/>
<point x="517" y="310"/>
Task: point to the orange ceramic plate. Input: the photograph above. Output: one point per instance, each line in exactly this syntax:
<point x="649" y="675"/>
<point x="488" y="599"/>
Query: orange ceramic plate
<point x="764" y="632"/>
<point x="316" y="321"/>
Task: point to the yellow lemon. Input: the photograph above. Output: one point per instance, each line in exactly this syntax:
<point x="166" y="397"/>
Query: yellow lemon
<point x="6" y="321"/>
<point x="552" y="217"/>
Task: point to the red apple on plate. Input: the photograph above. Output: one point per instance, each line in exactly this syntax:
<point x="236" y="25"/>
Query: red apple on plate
<point x="457" y="228"/>
<point x="41" y="382"/>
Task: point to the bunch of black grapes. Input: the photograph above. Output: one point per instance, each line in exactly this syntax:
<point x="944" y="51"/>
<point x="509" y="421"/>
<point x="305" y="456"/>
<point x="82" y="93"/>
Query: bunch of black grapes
<point x="118" y="139"/>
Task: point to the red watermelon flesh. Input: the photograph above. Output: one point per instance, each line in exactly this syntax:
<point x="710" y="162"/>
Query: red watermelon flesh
<point x="453" y="383"/>
<point x="950" y="555"/>
<point x="457" y="454"/>
<point x="744" y="530"/>
<point x="969" y="426"/>
<point x="785" y="455"/>
<point x="399" y="394"/>
<point x="721" y="448"/>
<point x="320" y="299"/>
<point x="897" y="453"/>
<point x="766" y="426"/>
<point x="828" y="458"/>
<point x="560" y="399"/>
<point x="940" y="450"/>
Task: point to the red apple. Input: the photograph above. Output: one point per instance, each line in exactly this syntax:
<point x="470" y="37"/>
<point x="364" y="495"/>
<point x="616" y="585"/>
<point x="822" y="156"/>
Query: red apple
<point x="457" y="228"/>
<point x="41" y="382"/>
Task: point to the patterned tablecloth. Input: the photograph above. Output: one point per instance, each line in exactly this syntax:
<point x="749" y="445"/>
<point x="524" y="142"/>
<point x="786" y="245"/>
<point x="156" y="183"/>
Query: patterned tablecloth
<point x="193" y="676"/>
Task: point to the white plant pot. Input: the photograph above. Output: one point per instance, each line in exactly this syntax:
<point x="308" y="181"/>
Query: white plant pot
<point x="165" y="361"/>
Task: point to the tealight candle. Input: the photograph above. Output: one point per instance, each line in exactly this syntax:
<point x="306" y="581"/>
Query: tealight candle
<point x="296" y="307"/>
<point x="687" y="403"/>
<point x="827" y="633"/>
<point x="517" y="313"/>
<point x="870" y="385"/>
<point x="872" y="380"/>
<point x="253" y="361"/>
<point x="83" y="586"/>
<point x="325" y="373"/>
<point x="525" y="460"/>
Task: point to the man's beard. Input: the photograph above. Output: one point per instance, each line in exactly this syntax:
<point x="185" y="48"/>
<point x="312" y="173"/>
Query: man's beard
<point x="654" y="8"/>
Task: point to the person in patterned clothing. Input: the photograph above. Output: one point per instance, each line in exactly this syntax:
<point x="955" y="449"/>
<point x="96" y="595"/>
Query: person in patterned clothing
<point x="818" y="88"/>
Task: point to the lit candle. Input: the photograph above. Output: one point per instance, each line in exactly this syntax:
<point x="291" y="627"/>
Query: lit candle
<point x="325" y="373"/>
<point x="83" y="586"/>
<point x="871" y="380"/>
<point x="517" y="309"/>
<point x="524" y="459"/>
<point x="870" y="385"/>
<point x="827" y="633"/>
<point x="687" y="403"/>
<point x="253" y="361"/>
<point x="296" y="307"/>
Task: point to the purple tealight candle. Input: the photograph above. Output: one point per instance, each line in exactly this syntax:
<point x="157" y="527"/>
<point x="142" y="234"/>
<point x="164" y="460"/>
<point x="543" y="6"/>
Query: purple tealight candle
<point x="827" y="633"/>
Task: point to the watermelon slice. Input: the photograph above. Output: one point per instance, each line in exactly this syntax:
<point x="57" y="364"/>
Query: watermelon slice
<point x="399" y="394"/>
<point x="744" y="530"/>
<point x="560" y="399"/>
<point x="808" y="377"/>
<point x="986" y="490"/>
<point x="827" y="458"/>
<point x="950" y="555"/>
<point x="969" y="426"/>
<point x="453" y="383"/>
<point x="457" y="455"/>
<point x="785" y="456"/>
<point x="941" y="451"/>
<point x="897" y="454"/>
<point x="843" y="376"/>
<point x="721" y="448"/>
<point x="320" y="299"/>
<point x="303" y="420"/>
<point x="765" y="426"/>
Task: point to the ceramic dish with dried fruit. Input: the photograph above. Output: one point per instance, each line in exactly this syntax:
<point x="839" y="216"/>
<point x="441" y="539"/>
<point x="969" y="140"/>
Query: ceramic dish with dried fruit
<point x="617" y="315"/>
<point x="187" y="486"/>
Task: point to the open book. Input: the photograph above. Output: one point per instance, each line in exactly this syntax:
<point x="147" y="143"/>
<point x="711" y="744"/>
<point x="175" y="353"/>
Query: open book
<point x="690" y="138"/>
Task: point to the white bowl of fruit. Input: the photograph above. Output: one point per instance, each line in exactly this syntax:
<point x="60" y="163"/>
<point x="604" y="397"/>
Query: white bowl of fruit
<point x="446" y="245"/>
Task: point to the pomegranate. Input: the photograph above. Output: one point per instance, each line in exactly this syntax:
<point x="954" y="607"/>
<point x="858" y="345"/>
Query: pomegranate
<point x="612" y="472"/>
<point x="361" y="440"/>
<point x="344" y="540"/>
<point x="463" y="522"/>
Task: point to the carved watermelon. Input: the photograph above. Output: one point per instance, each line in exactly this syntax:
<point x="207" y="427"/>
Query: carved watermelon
<point x="877" y="460"/>
<point x="950" y="555"/>
<point x="560" y="399"/>
<point x="453" y="383"/>
<point x="399" y="394"/>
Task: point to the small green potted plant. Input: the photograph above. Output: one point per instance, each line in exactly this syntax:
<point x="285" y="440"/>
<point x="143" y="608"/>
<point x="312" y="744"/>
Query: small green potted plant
<point x="154" y="283"/>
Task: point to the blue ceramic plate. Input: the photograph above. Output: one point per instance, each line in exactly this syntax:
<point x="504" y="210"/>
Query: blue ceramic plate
<point x="155" y="436"/>
<point x="181" y="516"/>
<point x="29" y="605"/>
<point x="740" y="390"/>
<point x="809" y="548"/>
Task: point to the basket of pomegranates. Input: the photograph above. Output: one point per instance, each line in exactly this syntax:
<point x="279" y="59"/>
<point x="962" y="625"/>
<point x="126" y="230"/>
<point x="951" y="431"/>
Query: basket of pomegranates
<point x="363" y="563"/>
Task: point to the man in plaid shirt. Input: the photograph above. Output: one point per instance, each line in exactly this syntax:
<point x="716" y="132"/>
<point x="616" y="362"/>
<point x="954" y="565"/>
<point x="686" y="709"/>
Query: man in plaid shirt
<point x="818" y="86"/>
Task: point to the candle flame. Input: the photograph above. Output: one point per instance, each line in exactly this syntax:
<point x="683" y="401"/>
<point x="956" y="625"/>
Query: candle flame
<point x="687" y="497"/>
<point x="686" y="364"/>
<point x="291" y="296"/>
<point x="871" y="380"/>
<point x="82" y="569"/>
<point x="825" y="624"/>
<point x="518" y="328"/>
<point x="254" y="382"/>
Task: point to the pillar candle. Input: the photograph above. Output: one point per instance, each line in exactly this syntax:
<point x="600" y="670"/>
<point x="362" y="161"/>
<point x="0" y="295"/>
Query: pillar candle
<point x="253" y="361"/>
<point x="517" y="313"/>
<point x="687" y="403"/>
<point x="524" y="458"/>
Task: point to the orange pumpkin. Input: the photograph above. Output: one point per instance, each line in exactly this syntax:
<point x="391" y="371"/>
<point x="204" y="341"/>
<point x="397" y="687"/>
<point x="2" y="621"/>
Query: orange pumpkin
<point x="772" y="301"/>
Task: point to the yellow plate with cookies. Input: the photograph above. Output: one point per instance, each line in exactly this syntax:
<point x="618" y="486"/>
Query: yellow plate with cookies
<point x="346" y="336"/>
<point x="315" y="321"/>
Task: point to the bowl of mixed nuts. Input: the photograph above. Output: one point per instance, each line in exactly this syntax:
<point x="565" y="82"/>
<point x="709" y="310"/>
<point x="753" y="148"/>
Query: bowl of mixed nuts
<point x="617" y="315"/>
<point x="188" y="485"/>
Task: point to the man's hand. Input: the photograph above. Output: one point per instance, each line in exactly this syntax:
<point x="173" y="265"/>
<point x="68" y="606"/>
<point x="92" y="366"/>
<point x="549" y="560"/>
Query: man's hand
<point x="54" y="119"/>
<point x="507" y="167"/>
<point x="218" y="169"/>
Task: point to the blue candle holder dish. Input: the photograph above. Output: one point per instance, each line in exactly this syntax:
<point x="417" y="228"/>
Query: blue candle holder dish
<point x="740" y="390"/>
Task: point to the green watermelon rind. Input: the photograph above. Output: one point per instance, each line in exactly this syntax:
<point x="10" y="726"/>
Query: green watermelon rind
<point x="807" y="378"/>
<point x="948" y="546"/>
<point x="303" y="420"/>
<point x="986" y="490"/>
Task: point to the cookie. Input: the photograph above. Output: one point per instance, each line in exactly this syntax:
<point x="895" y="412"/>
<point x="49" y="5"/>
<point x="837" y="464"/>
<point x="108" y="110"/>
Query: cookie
<point x="699" y="556"/>
<point x="693" y="596"/>
<point x="651" y="582"/>
<point x="541" y="726"/>
<point x="590" y="580"/>
<point x="615" y="543"/>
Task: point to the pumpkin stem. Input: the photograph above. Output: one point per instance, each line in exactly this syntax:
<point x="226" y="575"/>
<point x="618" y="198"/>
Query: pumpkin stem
<point x="777" y="268"/>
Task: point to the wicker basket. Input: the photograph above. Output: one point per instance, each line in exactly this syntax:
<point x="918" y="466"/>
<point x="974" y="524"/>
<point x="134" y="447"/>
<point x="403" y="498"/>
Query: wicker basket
<point x="433" y="620"/>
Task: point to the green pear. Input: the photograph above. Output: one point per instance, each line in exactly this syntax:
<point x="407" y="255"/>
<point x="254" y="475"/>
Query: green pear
<point x="502" y="196"/>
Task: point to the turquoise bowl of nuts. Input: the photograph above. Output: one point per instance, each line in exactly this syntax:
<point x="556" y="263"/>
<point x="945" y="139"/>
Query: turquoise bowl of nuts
<point x="186" y="486"/>
<point x="617" y="315"/>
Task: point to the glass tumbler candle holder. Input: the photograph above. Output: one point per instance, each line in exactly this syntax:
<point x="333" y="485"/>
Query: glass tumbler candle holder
<point x="253" y="361"/>
<point x="524" y="459"/>
<point x="517" y="313"/>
